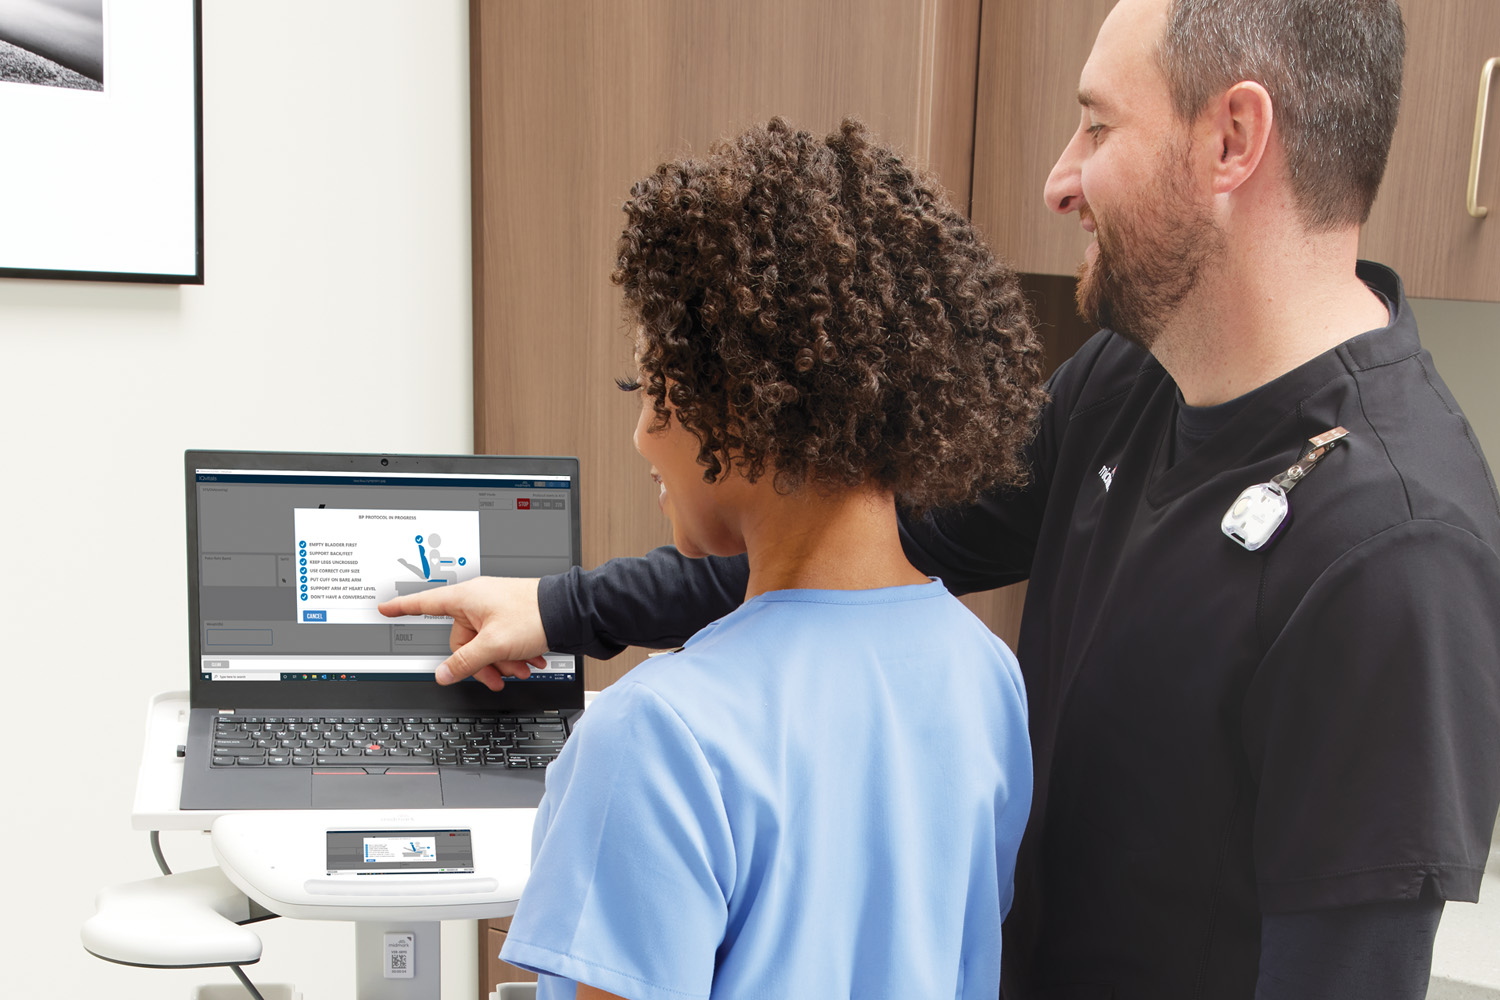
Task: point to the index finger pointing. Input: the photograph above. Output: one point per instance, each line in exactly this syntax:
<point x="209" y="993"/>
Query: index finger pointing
<point x="429" y="602"/>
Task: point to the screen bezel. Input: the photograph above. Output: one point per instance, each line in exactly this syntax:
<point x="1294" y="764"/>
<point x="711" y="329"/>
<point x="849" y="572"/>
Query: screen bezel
<point x="466" y="696"/>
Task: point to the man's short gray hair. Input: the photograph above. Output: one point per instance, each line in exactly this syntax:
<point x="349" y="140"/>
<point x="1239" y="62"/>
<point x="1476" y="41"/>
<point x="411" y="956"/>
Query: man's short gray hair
<point x="1333" y="70"/>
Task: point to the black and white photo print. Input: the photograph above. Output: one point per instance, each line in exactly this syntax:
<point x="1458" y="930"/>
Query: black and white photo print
<point x="52" y="43"/>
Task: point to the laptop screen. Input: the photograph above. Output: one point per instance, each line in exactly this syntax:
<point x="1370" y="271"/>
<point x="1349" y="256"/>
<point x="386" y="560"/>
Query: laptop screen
<point x="292" y="559"/>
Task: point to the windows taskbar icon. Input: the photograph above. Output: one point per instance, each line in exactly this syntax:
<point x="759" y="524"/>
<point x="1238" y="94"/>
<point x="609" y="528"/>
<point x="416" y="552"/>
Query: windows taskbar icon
<point x="320" y="677"/>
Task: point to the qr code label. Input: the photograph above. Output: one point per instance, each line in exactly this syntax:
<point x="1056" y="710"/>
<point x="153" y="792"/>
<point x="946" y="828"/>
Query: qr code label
<point x="398" y="955"/>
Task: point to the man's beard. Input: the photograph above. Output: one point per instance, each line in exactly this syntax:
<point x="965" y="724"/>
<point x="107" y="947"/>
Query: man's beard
<point x="1150" y="256"/>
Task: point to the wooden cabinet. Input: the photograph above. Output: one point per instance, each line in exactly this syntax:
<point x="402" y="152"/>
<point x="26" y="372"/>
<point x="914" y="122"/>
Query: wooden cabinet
<point x="1030" y="55"/>
<point x="1420" y="224"/>
<point x="491" y="970"/>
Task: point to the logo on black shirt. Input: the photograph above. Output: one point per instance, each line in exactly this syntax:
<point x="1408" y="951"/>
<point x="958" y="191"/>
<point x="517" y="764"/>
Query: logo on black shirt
<point x="1107" y="475"/>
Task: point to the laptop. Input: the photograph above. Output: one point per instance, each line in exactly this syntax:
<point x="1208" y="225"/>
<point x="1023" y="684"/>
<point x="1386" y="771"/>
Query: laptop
<point x="303" y="696"/>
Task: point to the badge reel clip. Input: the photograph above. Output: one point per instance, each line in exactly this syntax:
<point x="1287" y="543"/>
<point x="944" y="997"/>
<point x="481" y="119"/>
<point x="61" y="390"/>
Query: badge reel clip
<point x="1259" y="513"/>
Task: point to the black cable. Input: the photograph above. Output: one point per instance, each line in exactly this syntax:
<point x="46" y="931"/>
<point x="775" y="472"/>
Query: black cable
<point x="249" y="986"/>
<point x="161" y="861"/>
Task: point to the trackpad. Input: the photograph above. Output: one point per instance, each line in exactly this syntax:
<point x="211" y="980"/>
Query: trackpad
<point x="394" y="789"/>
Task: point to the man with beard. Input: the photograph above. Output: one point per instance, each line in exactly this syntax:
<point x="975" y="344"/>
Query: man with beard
<point x="1265" y="721"/>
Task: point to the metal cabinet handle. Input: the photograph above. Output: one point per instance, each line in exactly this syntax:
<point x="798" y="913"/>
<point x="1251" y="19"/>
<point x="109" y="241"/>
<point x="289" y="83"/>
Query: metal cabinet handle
<point x="1477" y="210"/>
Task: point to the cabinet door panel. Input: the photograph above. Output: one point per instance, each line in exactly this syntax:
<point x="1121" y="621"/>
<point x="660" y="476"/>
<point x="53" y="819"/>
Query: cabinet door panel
<point x="1419" y="224"/>
<point x="1030" y="56"/>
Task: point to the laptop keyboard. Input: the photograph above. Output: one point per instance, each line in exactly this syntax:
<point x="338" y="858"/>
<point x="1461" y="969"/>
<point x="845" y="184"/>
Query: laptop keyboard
<point x="316" y="741"/>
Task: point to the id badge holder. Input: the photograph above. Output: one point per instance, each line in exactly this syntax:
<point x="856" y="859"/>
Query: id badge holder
<point x="1259" y="513"/>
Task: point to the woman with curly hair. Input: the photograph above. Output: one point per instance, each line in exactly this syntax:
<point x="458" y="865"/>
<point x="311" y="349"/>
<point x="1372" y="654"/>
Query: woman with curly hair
<point x="821" y="794"/>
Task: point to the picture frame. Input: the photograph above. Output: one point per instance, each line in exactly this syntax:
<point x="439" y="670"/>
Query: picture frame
<point x="102" y="109"/>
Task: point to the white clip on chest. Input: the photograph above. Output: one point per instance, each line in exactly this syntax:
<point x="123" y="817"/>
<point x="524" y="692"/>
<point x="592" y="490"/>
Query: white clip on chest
<point x="1258" y="513"/>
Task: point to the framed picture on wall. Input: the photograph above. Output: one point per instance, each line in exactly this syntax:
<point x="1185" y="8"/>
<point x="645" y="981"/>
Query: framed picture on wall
<point x="101" y="113"/>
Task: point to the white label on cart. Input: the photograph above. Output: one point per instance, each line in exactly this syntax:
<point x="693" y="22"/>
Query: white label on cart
<point x="398" y="955"/>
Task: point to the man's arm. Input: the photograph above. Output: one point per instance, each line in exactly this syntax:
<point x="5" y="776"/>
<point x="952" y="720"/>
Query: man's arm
<point x="1379" y="951"/>
<point x="1370" y="724"/>
<point x="660" y="599"/>
<point x="975" y="548"/>
<point x="657" y="600"/>
<point x="500" y="626"/>
<point x="991" y="542"/>
<point x="1370" y="731"/>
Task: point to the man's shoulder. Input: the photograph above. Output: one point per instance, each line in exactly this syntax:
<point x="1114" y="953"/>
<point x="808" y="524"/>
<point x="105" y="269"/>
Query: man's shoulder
<point x="1409" y="485"/>
<point x="1100" y="374"/>
<point x="1423" y="449"/>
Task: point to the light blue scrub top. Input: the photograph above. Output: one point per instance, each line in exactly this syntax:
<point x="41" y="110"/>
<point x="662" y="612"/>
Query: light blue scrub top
<point x="821" y="795"/>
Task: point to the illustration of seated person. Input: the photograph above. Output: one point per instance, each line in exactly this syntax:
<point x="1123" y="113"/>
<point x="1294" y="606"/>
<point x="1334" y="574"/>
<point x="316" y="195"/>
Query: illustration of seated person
<point x="435" y="571"/>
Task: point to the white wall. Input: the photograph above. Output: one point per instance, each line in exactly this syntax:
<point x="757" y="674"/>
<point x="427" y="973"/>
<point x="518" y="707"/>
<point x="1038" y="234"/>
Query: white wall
<point x="335" y="315"/>
<point x="1464" y="340"/>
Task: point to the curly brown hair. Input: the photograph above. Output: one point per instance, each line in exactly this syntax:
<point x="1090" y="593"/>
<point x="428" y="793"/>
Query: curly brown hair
<point x="816" y="308"/>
